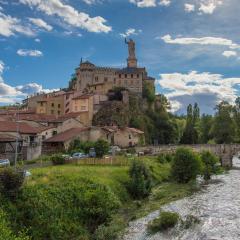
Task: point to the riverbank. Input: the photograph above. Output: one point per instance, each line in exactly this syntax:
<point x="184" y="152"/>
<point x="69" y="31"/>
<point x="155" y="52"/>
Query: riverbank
<point x="216" y="205"/>
<point x="48" y="205"/>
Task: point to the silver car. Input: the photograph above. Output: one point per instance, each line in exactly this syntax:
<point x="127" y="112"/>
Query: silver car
<point x="4" y="163"/>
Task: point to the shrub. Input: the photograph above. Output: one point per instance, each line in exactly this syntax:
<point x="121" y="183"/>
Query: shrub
<point x="186" y="165"/>
<point x="65" y="209"/>
<point x="161" y="158"/>
<point x="165" y="221"/>
<point x="101" y="148"/>
<point x="140" y="185"/>
<point x="6" y="233"/>
<point x="58" y="159"/>
<point x="209" y="161"/>
<point x="107" y="232"/>
<point x="190" y="221"/>
<point x="10" y="182"/>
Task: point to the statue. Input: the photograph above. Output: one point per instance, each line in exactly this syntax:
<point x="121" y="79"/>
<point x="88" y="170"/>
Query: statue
<point x="131" y="48"/>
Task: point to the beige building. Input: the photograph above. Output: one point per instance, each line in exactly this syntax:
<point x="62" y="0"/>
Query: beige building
<point x="93" y="79"/>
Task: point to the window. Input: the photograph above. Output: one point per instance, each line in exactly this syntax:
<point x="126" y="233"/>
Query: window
<point x="59" y="112"/>
<point x="131" y="75"/>
<point x="130" y="137"/>
<point x="83" y="108"/>
<point x="54" y="132"/>
<point x="41" y="104"/>
<point x="137" y="75"/>
<point x="52" y="104"/>
<point x="125" y="75"/>
<point x="114" y="80"/>
<point x="120" y="75"/>
<point x="52" y="111"/>
<point x="43" y="137"/>
<point x="96" y="79"/>
<point x="105" y="79"/>
<point x="59" y="105"/>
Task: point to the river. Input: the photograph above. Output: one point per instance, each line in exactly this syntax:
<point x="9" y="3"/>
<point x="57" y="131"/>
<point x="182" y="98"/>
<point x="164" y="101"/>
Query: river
<point x="217" y="205"/>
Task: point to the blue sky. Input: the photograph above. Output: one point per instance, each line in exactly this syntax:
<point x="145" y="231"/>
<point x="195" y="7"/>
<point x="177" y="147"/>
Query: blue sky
<point x="192" y="47"/>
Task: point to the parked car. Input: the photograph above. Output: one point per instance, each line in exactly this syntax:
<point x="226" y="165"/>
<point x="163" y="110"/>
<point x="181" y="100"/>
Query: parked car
<point x="92" y="153"/>
<point x="4" y="163"/>
<point x="67" y="156"/>
<point x="114" y="150"/>
<point x="78" y="155"/>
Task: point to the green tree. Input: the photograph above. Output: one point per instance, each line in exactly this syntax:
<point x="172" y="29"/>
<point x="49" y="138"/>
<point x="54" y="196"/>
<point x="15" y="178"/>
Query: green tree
<point x="101" y="148"/>
<point x="190" y="134"/>
<point x="140" y="185"/>
<point x="206" y="124"/>
<point x="224" y="127"/>
<point x="186" y="165"/>
<point x="236" y="111"/>
<point x="209" y="161"/>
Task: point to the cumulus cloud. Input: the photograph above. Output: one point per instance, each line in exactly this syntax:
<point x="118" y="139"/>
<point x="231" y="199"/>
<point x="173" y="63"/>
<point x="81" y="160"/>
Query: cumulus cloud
<point x="209" y="6"/>
<point x="10" y="94"/>
<point x="69" y="15"/>
<point x="41" y="24"/>
<point x="201" y="41"/>
<point x="30" y="53"/>
<point x="37" y="40"/>
<point x="189" y="7"/>
<point x="150" y="3"/>
<point x="129" y="32"/>
<point x="205" y="88"/>
<point x="229" y="54"/>
<point x="9" y="26"/>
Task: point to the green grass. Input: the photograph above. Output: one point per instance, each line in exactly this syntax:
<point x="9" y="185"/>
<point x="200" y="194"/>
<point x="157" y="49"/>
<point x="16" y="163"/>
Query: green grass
<point x="49" y="187"/>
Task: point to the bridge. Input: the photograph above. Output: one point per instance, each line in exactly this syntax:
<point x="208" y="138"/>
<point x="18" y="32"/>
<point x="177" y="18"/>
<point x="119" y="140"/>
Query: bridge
<point x="225" y="152"/>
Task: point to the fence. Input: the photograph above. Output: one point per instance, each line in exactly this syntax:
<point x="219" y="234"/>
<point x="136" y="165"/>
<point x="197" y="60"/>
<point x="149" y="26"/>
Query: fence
<point x="113" y="161"/>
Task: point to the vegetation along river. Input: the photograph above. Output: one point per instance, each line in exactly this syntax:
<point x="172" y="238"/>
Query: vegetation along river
<point x="217" y="205"/>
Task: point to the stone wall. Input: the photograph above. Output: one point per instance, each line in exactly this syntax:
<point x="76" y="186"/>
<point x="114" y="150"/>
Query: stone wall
<point x="225" y="152"/>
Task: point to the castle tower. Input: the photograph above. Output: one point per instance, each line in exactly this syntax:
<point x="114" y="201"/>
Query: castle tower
<point x="131" y="60"/>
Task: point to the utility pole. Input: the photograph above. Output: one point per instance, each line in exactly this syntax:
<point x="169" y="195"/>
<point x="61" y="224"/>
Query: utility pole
<point x="17" y="135"/>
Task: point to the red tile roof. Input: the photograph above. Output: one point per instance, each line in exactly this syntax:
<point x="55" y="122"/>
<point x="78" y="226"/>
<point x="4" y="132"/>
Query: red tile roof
<point x="67" y="135"/>
<point x="24" y="128"/>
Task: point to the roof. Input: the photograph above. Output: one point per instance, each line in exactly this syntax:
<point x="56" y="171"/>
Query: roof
<point x="24" y="128"/>
<point x="150" y="78"/>
<point x="110" y="129"/>
<point x="135" y="130"/>
<point x="7" y="138"/>
<point x="85" y="96"/>
<point x="67" y="135"/>
<point x="131" y="70"/>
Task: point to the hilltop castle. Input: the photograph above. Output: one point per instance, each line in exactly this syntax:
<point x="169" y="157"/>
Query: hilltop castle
<point x="89" y="87"/>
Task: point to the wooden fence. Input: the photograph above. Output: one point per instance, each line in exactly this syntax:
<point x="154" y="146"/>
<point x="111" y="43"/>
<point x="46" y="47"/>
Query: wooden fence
<point x="113" y="161"/>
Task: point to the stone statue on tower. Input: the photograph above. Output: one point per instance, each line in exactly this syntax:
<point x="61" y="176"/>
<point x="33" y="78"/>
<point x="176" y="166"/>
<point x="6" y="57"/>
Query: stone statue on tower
<point x="132" y="61"/>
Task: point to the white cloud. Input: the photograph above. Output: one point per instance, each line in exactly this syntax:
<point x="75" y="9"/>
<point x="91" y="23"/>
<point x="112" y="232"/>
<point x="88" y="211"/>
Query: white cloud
<point x="201" y="41"/>
<point x="209" y="6"/>
<point x="189" y="7"/>
<point x="129" y="32"/>
<point x="9" y="26"/>
<point x="150" y="3"/>
<point x="229" y="54"/>
<point x="90" y="2"/>
<point x="30" y="53"/>
<point x="40" y="23"/>
<point x="10" y="94"/>
<point x="206" y="88"/>
<point x="37" y="40"/>
<point x="70" y="15"/>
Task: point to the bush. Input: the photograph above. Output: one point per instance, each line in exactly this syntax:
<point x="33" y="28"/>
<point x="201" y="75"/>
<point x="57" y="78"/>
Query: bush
<point x="165" y="221"/>
<point x="190" y="221"/>
<point x="101" y="148"/>
<point x="6" y="233"/>
<point x="186" y="165"/>
<point x="107" y="232"/>
<point x="57" y="159"/>
<point x="209" y="161"/>
<point x="140" y="185"/>
<point x="11" y="182"/>
<point x="65" y="209"/>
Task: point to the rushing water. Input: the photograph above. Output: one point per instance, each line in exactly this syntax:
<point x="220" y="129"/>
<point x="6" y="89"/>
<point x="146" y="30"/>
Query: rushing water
<point x="217" y="206"/>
